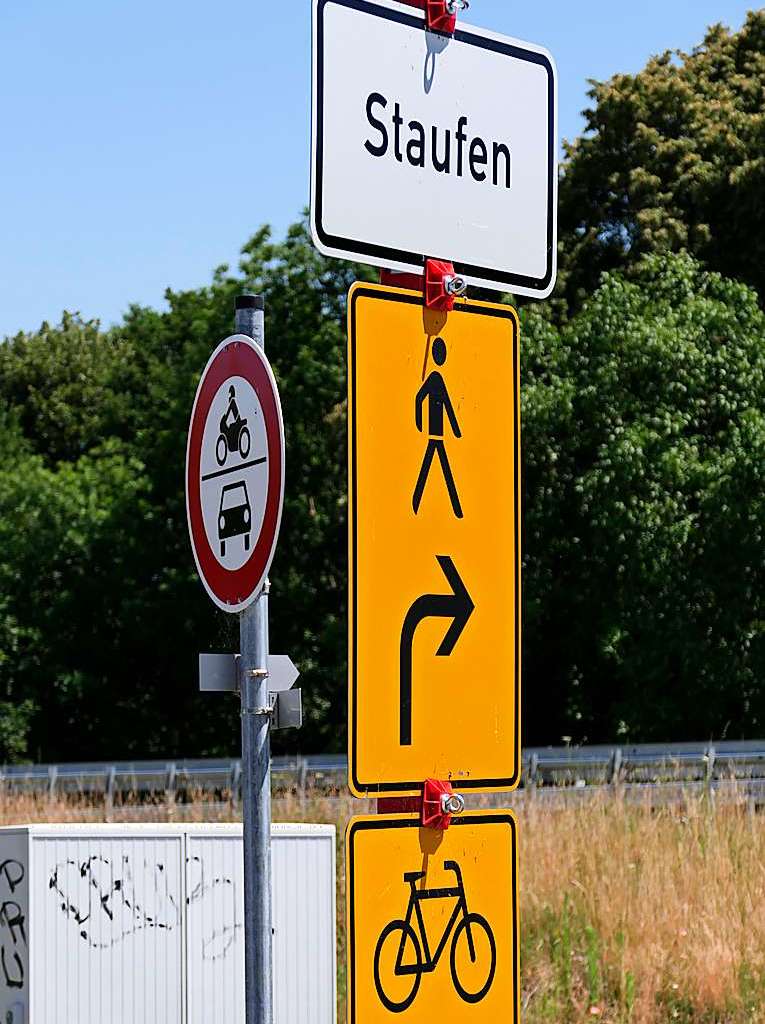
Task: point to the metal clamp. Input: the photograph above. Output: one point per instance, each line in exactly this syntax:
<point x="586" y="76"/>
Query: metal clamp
<point x="455" y="6"/>
<point x="265" y="712"/>
<point x="452" y="803"/>
<point x="256" y="673"/>
<point x="454" y="284"/>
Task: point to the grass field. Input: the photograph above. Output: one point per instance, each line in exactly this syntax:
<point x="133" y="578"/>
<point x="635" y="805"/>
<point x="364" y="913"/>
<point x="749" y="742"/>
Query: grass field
<point x="628" y="914"/>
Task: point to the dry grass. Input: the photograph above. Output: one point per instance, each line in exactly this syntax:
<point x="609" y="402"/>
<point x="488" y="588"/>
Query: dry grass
<point x="634" y="914"/>
<point x="629" y="914"/>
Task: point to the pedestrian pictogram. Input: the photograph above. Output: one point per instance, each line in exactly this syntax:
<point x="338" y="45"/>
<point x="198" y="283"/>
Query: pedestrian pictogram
<point x="434" y="663"/>
<point x="235" y="472"/>
<point x="432" y="919"/>
<point x="435" y="394"/>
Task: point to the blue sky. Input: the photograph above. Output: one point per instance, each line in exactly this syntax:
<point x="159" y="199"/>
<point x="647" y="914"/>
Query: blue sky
<point x="145" y="140"/>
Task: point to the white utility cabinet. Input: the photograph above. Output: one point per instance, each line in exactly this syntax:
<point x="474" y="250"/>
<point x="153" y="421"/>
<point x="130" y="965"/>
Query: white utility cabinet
<point x="143" y="924"/>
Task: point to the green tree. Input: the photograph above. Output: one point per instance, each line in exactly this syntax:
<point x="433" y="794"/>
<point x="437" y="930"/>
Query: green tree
<point x="305" y="340"/>
<point x="15" y="711"/>
<point x="67" y="572"/>
<point x="101" y="614"/>
<point x="672" y="158"/>
<point x="644" y="438"/>
<point x="70" y="387"/>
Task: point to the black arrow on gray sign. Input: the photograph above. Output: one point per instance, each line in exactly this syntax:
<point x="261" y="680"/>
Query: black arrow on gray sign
<point x="456" y="606"/>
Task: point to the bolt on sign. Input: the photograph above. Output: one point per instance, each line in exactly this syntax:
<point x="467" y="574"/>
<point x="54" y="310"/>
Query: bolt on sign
<point x="428" y="144"/>
<point x="434" y="630"/>
<point x="433" y="920"/>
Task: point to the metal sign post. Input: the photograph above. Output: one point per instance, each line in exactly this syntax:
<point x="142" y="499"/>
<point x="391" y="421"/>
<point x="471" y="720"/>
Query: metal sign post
<point x="234" y="497"/>
<point x="256" y="763"/>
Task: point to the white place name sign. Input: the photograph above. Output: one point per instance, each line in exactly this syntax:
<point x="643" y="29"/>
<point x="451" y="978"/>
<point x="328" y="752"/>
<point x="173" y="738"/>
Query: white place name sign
<point x="426" y="145"/>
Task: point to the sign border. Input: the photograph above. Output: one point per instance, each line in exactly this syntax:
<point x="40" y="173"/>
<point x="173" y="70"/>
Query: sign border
<point x="398" y="259"/>
<point x="363" y="822"/>
<point x="250" y="577"/>
<point x="414" y="788"/>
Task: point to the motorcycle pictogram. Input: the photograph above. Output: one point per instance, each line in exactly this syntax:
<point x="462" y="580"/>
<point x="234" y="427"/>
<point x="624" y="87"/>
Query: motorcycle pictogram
<point x="472" y="935"/>
<point x="234" y="432"/>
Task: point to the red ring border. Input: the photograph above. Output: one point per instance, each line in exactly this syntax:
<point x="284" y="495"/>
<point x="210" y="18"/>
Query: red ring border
<point x="236" y="357"/>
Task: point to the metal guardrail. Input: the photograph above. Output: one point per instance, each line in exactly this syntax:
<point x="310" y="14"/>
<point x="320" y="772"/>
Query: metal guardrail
<point x="570" y="768"/>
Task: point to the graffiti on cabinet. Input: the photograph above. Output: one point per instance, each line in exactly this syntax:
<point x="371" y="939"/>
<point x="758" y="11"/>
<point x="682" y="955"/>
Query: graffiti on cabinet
<point x="109" y="901"/>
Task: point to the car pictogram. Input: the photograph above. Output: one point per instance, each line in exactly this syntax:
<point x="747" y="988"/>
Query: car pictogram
<point x="234" y="516"/>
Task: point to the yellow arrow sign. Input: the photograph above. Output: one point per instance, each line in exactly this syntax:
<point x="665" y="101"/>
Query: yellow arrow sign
<point x="432" y="920"/>
<point x="434" y="659"/>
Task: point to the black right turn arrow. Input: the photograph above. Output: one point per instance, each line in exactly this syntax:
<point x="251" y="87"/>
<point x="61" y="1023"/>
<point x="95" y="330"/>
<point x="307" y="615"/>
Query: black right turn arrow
<point x="457" y="606"/>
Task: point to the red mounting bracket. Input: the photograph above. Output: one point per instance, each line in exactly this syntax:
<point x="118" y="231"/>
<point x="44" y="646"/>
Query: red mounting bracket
<point x="441" y="15"/>
<point x="436" y="805"/>
<point x="439" y="803"/>
<point x="440" y="284"/>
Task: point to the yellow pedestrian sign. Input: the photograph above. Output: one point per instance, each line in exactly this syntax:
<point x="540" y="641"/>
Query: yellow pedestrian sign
<point x="433" y="920"/>
<point x="434" y="637"/>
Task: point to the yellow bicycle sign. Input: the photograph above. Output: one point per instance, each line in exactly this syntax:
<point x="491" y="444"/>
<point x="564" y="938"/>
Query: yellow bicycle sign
<point x="441" y="904"/>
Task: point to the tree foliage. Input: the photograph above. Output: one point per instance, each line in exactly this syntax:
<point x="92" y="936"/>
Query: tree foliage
<point x="644" y="425"/>
<point x="672" y="158"/>
<point x="643" y="432"/>
<point x="643" y="439"/>
<point x="101" y="613"/>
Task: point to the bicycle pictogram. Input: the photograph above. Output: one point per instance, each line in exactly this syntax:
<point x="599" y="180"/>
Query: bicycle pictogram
<point x="473" y="948"/>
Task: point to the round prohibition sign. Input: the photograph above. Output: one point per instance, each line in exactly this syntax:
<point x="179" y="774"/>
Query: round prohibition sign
<point x="235" y="473"/>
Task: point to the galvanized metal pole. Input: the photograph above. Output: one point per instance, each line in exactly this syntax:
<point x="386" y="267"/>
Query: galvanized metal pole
<point x="256" y="764"/>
